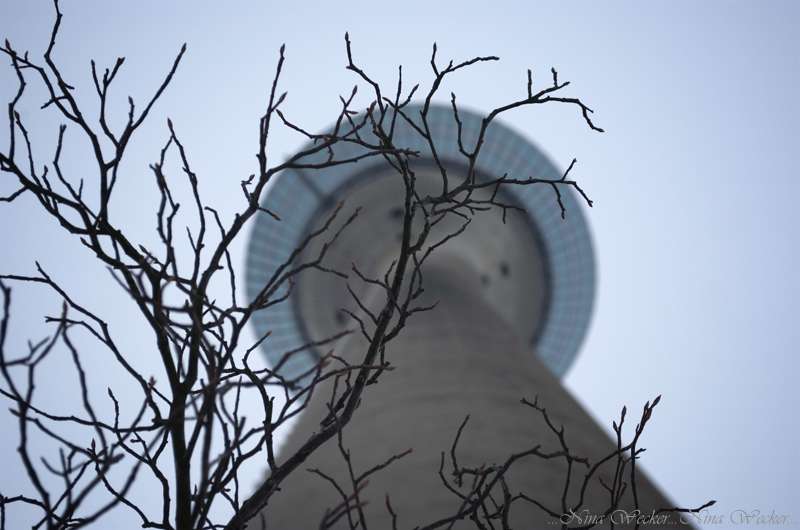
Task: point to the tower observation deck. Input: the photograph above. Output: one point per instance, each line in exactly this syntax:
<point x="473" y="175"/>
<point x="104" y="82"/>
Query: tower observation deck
<point x="516" y="300"/>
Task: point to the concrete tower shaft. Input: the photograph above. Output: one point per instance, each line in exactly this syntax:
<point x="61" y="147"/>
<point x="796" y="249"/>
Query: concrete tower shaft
<point x="463" y="358"/>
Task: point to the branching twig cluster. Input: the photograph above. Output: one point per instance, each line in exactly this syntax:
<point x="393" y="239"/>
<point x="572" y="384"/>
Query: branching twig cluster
<point x="188" y="433"/>
<point x="485" y="493"/>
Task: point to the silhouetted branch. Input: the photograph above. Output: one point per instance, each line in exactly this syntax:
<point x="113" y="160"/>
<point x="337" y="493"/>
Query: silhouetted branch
<point x="187" y="434"/>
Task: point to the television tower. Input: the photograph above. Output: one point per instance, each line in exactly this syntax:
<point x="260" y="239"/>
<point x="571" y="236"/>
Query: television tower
<point x="516" y="299"/>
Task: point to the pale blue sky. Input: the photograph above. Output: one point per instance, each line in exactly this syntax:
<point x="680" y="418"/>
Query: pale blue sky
<point x="695" y="182"/>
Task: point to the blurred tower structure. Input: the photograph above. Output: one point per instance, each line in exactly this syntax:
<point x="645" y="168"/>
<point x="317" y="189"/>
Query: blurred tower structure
<point x="516" y="299"/>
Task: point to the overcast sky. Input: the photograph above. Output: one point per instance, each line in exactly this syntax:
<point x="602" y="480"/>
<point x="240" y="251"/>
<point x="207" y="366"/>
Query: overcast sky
<point x="695" y="182"/>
